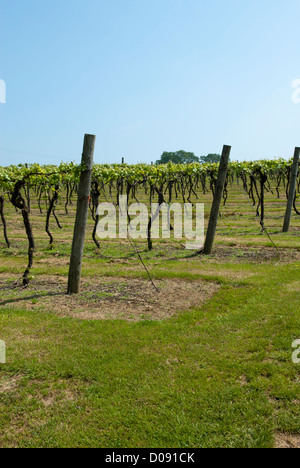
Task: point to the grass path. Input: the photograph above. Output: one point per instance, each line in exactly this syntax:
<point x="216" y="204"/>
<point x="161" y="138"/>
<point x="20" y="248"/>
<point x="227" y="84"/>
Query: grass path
<point x="218" y="375"/>
<point x="221" y="375"/>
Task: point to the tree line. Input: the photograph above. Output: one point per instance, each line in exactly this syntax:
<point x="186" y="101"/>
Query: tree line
<point x="185" y="157"/>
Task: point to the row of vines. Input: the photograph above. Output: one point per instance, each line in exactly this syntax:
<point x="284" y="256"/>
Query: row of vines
<point x="162" y="184"/>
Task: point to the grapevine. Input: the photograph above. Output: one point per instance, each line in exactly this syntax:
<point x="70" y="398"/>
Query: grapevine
<point x="161" y="184"/>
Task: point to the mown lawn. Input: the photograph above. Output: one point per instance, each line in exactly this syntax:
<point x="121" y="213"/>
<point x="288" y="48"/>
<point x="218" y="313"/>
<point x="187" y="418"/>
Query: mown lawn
<point x="219" y="375"/>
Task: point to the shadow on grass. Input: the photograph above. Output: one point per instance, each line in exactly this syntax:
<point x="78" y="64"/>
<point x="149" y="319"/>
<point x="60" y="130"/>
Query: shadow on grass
<point x="30" y="298"/>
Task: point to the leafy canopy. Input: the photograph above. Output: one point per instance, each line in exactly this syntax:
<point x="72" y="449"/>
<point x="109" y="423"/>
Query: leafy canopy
<point x="210" y="158"/>
<point x="184" y="157"/>
<point x="177" y="157"/>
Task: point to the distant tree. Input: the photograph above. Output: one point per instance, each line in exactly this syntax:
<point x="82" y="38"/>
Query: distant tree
<point x="177" y="157"/>
<point x="210" y="158"/>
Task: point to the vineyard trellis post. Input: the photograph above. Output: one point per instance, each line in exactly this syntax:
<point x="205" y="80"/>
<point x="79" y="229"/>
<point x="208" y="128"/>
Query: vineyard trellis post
<point x="28" y="193"/>
<point x="292" y="191"/>
<point x="84" y="192"/>
<point x="215" y="210"/>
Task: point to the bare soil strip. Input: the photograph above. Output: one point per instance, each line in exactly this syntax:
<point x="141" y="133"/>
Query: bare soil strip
<point x="106" y="298"/>
<point x="287" y="441"/>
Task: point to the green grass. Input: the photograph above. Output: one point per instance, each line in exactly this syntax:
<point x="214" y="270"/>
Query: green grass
<point x="220" y="375"/>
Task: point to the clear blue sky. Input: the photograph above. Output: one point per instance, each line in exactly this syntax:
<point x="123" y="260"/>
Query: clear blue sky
<point x="148" y="76"/>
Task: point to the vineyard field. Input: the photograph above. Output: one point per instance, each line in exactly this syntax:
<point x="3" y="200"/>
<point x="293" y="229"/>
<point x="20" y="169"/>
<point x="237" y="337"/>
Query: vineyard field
<point x="205" y="361"/>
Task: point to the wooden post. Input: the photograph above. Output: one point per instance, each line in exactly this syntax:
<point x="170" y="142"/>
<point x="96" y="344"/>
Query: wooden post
<point x="28" y="193"/>
<point x="215" y="210"/>
<point x="84" y="192"/>
<point x="292" y="192"/>
<point x="123" y="160"/>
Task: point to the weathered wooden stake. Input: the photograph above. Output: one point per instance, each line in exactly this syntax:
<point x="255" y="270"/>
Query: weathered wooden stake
<point x="215" y="210"/>
<point x="84" y="192"/>
<point x="28" y="193"/>
<point x="292" y="192"/>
